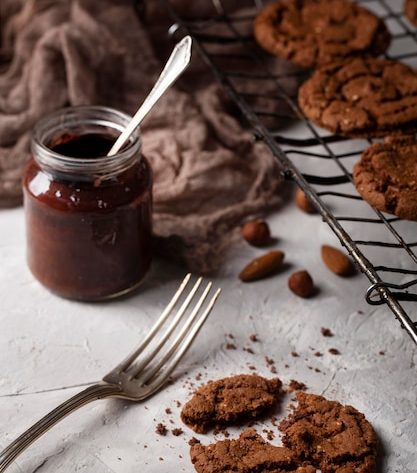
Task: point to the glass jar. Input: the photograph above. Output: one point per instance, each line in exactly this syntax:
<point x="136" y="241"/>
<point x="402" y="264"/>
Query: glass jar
<point x="88" y="216"/>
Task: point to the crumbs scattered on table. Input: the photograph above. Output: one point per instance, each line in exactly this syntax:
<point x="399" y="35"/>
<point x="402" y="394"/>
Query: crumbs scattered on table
<point x="161" y="429"/>
<point x="326" y="332"/>
<point x="269" y="361"/>
<point x="295" y="385"/>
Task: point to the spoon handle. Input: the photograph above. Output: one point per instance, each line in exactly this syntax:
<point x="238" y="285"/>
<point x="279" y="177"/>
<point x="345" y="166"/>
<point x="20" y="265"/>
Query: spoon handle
<point x="177" y="63"/>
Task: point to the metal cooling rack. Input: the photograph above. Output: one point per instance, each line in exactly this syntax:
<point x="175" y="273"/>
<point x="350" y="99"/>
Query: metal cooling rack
<point x="320" y="163"/>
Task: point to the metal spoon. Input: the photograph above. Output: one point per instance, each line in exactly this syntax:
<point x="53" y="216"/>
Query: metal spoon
<point x="175" y="66"/>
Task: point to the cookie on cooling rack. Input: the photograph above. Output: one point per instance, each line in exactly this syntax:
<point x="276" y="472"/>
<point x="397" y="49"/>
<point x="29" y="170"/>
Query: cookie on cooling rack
<point x="362" y="97"/>
<point x="410" y="8"/>
<point x="386" y="176"/>
<point x="333" y="437"/>
<point x="311" y="33"/>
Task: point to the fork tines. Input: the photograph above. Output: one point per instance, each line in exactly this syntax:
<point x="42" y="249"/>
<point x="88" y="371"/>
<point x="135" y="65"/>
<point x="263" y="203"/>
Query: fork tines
<point x="172" y="334"/>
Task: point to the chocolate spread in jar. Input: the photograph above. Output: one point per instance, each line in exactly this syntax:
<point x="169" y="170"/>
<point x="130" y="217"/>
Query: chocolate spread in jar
<point x="88" y="238"/>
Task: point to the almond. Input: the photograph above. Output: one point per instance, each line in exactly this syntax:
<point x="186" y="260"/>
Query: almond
<point x="256" y="232"/>
<point x="304" y="203"/>
<point x="301" y="284"/>
<point x="336" y="261"/>
<point x="263" y="266"/>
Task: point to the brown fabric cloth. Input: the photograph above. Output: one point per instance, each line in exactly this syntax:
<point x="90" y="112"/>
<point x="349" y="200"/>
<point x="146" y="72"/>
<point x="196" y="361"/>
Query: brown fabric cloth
<point x="208" y="173"/>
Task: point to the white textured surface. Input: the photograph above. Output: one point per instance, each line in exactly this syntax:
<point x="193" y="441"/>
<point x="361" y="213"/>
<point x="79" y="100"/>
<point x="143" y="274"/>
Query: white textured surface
<point x="49" y="347"/>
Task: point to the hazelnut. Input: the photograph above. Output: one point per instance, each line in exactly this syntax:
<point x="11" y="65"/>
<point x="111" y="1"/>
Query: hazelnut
<point x="256" y="232"/>
<point x="301" y="284"/>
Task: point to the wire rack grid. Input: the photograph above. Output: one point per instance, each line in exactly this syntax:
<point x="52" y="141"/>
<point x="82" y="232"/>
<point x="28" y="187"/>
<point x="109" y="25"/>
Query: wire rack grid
<point x="381" y="245"/>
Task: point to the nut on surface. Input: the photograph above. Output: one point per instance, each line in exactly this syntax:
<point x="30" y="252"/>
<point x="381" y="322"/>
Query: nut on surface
<point x="301" y="284"/>
<point x="303" y="202"/>
<point x="256" y="232"/>
<point x="262" y="266"/>
<point x="337" y="261"/>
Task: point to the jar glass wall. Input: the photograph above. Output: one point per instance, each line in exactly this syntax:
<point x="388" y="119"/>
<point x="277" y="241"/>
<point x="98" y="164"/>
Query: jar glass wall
<point x="88" y="216"/>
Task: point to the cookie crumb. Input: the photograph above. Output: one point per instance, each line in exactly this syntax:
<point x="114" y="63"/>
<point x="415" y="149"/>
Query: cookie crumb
<point x="317" y="353"/>
<point x="161" y="429"/>
<point x="273" y="370"/>
<point x="230" y="346"/>
<point x="270" y="435"/>
<point x="168" y="411"/>
<point x="326" y="332"/>
<point x="249" y="350"/>
<point x="254" y="338"/>
<point x="177" y="432"/>
<point x="295" y="385"/>
<point x="294" y="354"/>
<point x="334" y="351"/>
<point x="269" y="361"/>
<point x="193" y="441"/>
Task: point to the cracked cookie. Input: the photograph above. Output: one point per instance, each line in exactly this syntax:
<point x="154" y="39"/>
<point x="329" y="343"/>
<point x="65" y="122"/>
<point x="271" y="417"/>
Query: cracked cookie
<point x="386" y="176"/>
<point x="230" y="400"/>
<point x="247" y="454"/>
<point x="362" y="97"/>
<point x="330" y="436"/>
<point x="311" y="33"/>
<point x="410" y="9"/>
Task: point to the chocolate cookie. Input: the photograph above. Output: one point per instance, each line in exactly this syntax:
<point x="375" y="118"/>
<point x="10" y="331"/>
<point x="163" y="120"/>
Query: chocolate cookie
<point x="362" y="97"/>
<point x="311" y="33"/>
<point x="386" y="176"/>
<point x="248" y="454"/>
<point x="332" y="437"/>
<point x="410" y="8"/>
<point x="229" y="400"/>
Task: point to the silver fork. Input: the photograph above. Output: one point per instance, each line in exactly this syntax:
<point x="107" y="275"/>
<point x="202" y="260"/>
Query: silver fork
<point x="143" y="372"/>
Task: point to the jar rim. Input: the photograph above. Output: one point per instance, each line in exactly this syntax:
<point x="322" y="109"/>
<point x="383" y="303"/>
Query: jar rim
<point x="70" y="118"/>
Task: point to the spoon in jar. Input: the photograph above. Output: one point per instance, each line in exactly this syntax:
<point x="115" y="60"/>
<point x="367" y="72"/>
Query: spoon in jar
<point x="175" y="66"/>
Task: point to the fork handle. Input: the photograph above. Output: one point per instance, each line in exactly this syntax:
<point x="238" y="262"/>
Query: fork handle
<point x="92" y="393"/>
